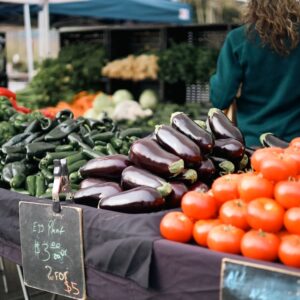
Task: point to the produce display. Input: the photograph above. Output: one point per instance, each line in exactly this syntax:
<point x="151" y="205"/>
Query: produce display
<point x="186" y="62"/>
<point x="254" y="213"/>
<point x="134" y="68"/>
<point x="161" y="167"/>
<point x="77" y="68"/>
<point x="31" y="142"/>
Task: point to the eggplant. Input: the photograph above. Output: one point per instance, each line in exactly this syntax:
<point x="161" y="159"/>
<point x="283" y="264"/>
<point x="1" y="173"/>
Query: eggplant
<point x="146" y="153"/>
<point x="133" y="177"/>
<point x="142" y="199"/>
<point x="188" y="176"/>
<point x="91" y="195"/>
<point x="204" y="139"/>
<point x="110" y="167"/>
<point x="229" y="148"/>
<point x="269" y="139"/>
<point x="222" y="165"/>
<point x="91" y="181"/>
<point x="174" y="199"/>
<point x="221" y="127"/>
<point x="206" y="170"/>
<point x="177" y="143"/>
<point x="200" y="187"/>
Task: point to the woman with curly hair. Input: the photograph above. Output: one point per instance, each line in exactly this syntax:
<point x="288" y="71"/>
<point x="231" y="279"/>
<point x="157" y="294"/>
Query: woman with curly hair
<point x="262" y="59"/>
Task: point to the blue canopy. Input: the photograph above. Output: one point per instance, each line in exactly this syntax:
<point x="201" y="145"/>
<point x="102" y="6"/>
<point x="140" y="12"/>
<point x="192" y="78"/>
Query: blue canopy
<point x="160" y="11"/>
<point x="150" y="11"/>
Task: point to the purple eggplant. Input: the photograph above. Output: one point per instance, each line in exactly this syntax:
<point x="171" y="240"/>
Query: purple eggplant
<point x="91" y="181"/>
<point x="206" y="170"/>
<point x="200" y="187"/>
<point x="91" y="195"/>
<point x="147" y="153"/>
<point x="133" y="177"/>
<point x="142" y="199"/>
<point x="188" y="177"/>
<point x="189" y="128"/>
<point x="177" y="143"/>
<point x="221" y="127"/>
<point x="110" y="167"/>
<point x="174" y="199"/>
<point x="269" y="139"/>
<point x="222" y="165"/>
<point x="229" y="148"/>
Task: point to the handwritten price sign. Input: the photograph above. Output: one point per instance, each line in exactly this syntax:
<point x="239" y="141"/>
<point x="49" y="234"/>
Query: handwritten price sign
<point x="52" y="249"/>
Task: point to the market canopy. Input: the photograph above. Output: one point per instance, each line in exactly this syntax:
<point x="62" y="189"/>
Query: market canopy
<point x="154" y="11"/>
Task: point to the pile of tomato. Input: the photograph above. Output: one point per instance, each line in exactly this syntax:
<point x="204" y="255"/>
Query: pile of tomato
<point x="256" y="214"/>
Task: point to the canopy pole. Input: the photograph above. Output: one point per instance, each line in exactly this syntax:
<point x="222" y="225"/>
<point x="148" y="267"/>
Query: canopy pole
<point x="28" y="40"/>
<point x="43" y="24"/>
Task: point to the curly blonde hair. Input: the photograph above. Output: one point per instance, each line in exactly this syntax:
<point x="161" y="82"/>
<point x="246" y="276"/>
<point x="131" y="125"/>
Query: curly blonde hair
<point x="276" y="21"/>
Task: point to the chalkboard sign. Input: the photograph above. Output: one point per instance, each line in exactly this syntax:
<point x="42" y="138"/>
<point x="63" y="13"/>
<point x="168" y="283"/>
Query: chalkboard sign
<point x="52" y="249"/>
<point x="248" y="281"/>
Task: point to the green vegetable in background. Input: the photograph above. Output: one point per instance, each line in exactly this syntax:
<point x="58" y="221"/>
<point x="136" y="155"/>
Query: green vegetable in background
<point x="187" y="63"/>
<point x="77" y="68"/>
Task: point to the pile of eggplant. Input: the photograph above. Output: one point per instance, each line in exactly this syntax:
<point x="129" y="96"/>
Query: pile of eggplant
<point x="162" y="167"/>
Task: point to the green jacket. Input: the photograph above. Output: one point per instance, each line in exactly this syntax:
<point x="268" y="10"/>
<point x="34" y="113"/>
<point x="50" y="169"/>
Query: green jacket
<point x="270" y="95"/>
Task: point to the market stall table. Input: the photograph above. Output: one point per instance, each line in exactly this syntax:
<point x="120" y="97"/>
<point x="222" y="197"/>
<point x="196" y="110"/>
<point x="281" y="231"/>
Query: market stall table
<point x="123" y="264"/>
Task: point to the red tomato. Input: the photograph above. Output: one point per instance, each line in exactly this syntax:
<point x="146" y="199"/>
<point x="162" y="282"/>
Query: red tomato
<point x="198" y="205"/>
<point x="225" y="188"/>
<point x="253" y="186"/>
<point x="292" y="220"/>
<point x="278" y="167"/>
<point x="289" y="251"/>
<point x="294" y="153"/>
<point x="295" y="142"/>
<point x="262" y="245"/>
<point x="225" y="238"/>
<point x="234" y="212"/>
<point x="201" y="229"/>
<point x="282" y="234"/>
<point x="287" y="193"/>
<point x="265" y="214"/>
<point x="260" y="154"/>
<point x="176" y="226"/>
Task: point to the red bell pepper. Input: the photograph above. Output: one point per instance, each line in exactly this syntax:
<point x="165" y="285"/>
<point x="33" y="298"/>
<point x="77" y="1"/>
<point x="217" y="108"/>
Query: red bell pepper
<point x="12" y="98"/>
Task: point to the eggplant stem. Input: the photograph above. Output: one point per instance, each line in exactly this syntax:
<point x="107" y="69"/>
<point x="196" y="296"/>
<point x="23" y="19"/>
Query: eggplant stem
<point x="227" y="166"/>
<point x="263" y="137"/>
<point x="176" y="167"/>
<point x="190" y="175"/>
<point x="212" y="111"/>
<point x="165" y="189"/>
<point x="173" y="115"/>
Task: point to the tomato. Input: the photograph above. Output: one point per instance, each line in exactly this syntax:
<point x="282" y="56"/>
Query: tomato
<point x="292" y="220"/>
<point x="253" y="186"/>
<point x="260" y="154"/>
<point x="234" y="212"/>
<point x="287" y="193"/>
<point x="176" y="226"/>
<point x="265" y="214"/>
<point x="225" y="238"/>
<point x="294" y="153"/>
<point x="295" y="142"/>
<point x="289" y="251"/>
<point x="282" y="234"/>
<point x="262" y="245"/>
<point x="198" y="205"/>
<point x="201" y="229"/>
<point x="278" y="167"/>
<point x="225" y="188"/>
